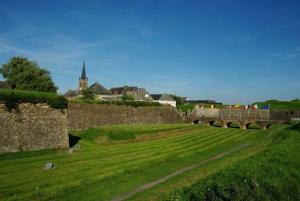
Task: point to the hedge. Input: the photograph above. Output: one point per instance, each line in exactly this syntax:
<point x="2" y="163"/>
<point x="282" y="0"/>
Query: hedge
<point x="127" y="103"/>
<point x="12" y="98"/>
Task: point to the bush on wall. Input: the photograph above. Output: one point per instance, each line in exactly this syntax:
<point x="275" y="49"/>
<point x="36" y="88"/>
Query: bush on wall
<point x="127" y="103"/>
<point x="12" y="98"/>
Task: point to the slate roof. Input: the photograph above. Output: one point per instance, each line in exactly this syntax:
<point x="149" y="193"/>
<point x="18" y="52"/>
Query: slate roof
<point x="97" y="88"/>
<point x="121" y="90"/>
<point x="71" y="93"/>
<point x="156" y="96"/>
<point x="164" y="97"/>
<point x="83" y="74"/>
<point x="4" y="85"/>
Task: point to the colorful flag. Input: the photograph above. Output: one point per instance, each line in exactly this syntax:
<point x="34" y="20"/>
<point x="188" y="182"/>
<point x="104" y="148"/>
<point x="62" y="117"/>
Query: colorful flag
<point x="255" y="106"/>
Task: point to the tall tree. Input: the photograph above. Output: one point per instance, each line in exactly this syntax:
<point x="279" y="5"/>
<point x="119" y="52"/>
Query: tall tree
<point x="23" y="74"/>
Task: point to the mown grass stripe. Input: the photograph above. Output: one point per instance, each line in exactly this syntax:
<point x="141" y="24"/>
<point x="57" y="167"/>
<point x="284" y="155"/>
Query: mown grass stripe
<point x="167" y="154"/>
<point x="192" y="139"/>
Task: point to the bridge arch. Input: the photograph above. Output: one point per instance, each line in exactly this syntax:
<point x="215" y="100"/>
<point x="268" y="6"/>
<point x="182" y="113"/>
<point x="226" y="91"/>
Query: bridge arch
<point x="196" y="121"/>
<point x="212" y="122"/>
<point x="252" y="125"/>
<point x="233" y="124"/>
<point x="229" y="124"/>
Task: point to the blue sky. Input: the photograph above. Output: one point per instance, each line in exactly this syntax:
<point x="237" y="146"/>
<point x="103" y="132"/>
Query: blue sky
<point x="230" y="51"/>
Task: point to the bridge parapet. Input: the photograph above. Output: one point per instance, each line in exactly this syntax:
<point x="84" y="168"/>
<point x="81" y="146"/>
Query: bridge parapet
<point x="244" y="115"/>
<point x="205" y="112"/>
<point x="225" y="117"/>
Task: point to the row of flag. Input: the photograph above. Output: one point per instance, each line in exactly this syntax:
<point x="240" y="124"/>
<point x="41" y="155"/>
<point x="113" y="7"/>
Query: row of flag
<point x="246" y="107"/>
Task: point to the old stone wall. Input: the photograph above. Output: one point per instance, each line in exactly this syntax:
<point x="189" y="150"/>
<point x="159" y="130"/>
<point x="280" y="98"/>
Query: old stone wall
<point x="284" y="115"/>
<point x="230" y="114"/>
<point x="32" y="127"/>
<point x="242" y="114"/>
<point x="205" y="112"/>
<point x="82" y="116"/>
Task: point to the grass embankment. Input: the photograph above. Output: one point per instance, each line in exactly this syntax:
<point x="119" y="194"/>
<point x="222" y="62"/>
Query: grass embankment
<point x="125" y="132"/>
<point x="124" y="102"/>
<point x="12" y="98"/>
<point x="270" y="175"/>
<point x="280" y="105"/>
<point x="102" y="171"/>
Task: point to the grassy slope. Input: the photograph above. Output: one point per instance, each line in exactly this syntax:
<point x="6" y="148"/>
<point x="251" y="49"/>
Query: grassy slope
<point x="190" y="106"/>
<point x="100" y="172"/>
<point x="280" y="105"/>
<point x="126" y="131"/>
<point x="270" y="175"/>
<point x="186" y="107"/>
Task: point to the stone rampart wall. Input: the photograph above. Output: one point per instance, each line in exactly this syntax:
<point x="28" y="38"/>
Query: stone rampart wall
<point x="83" y="116"/>
<point x="32" y="127"/>
<point x="284" y="115"/>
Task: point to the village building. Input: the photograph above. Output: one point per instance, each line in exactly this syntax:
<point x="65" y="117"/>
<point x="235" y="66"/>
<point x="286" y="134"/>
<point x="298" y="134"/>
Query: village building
<point x="138" y="94"/>
<point x="71" y="94"/>
<point x="83" y="80"/>
<point x="164" y="99"/>
<point x="96" y="89"/>
<point x="99" y="92"/>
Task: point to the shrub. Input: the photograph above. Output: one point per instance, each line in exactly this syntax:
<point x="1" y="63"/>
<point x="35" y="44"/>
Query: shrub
<point x="126" y="97"/>
<point x="127" y="103"/>
<point x="12" y="98"/>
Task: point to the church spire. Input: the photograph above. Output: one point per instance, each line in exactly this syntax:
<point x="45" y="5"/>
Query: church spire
<point x="83" y="74"/>
<point x="83" y="80"/>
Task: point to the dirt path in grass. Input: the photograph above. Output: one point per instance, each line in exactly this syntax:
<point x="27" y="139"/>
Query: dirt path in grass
<point x="176" y="173"/>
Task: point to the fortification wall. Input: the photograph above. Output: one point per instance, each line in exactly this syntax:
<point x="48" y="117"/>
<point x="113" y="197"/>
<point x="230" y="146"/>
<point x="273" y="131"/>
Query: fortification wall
<point x="284" y="115"/>
<point x="32" y="127"/>
<point x="82" y="116"/>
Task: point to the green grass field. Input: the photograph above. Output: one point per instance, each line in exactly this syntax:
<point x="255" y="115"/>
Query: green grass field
<point x="116" y="159"/>
<point x="272" y="174"/>
<point x="280" y="105"/>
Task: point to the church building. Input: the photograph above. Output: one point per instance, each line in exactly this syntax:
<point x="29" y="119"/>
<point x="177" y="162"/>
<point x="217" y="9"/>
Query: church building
<point x="83" y="80"/>
<point x="98" y="90"/>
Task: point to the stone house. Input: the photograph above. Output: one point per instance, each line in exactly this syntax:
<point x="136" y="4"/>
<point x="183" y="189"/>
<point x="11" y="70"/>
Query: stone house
<point x="97" y="89"/>
<point x="164" y="99"/>
<point x="139" y="94"/>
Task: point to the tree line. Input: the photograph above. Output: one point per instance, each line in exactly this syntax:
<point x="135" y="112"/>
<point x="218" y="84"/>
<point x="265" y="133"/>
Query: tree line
<point x="22" y="74"/>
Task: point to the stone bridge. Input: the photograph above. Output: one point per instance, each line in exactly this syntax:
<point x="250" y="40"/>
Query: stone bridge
<point x="225" y="117"/>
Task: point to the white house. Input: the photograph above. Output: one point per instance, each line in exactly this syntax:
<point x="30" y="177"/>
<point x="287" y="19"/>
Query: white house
<point x="164" y="99"/>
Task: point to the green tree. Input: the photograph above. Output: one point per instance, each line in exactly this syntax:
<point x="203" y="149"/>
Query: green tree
<point x="23" y="74"/>
<point x="88" y="94"/>
<point x="178" y="99"/>
<point x="126" y="97"/>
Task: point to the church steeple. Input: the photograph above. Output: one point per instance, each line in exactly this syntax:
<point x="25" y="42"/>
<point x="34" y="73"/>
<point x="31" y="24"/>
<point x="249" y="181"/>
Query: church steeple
<point x="83" y="80"/>
<point x="83" y="74"/>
